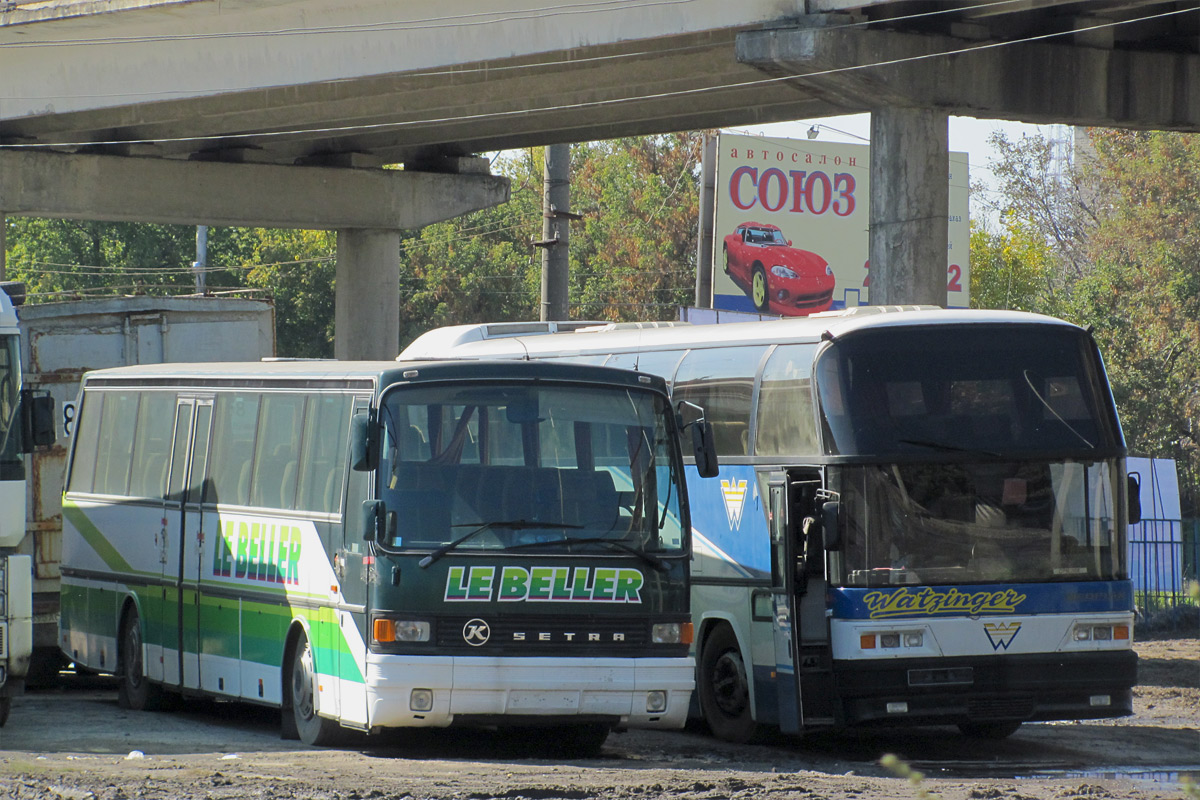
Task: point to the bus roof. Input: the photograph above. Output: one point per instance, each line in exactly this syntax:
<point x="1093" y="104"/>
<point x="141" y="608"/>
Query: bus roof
<point x="476" y="341"/>
<point x="382" y="373"/>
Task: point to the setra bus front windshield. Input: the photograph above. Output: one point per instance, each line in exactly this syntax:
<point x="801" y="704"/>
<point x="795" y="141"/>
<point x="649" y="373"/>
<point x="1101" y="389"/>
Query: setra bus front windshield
<point x="534" y="467"/>
<point x="973" y="454"/>
<point x="11" y="463"/>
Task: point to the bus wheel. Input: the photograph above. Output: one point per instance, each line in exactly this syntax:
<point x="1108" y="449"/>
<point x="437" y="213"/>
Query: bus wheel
<point x="312" y="728"/>
<point x="134" y="689"/>
<point x="724" y="689"/>
<point x="988" y="730"/>
<point x="5" y="707"/>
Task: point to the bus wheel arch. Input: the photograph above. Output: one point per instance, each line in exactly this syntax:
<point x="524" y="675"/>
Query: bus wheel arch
<point x="134" y="690"/>
<point x="723" y="684"/>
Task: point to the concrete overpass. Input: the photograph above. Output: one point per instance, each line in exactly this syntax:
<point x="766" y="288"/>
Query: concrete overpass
<point x="282" y="112"/>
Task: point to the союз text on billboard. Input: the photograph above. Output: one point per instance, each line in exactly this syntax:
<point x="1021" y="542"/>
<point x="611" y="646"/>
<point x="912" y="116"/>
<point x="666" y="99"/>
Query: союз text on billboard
<point x="790" y="226"/>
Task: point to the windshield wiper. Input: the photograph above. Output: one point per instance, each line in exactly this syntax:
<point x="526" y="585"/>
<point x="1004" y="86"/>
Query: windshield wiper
<point x="950" y="448"/>
<point x="510" y="525"/>
<point x="652" y="560"/>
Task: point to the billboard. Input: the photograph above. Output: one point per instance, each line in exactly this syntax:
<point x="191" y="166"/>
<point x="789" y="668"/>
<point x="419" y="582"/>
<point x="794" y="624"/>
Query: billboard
<point x="790" y="226"/>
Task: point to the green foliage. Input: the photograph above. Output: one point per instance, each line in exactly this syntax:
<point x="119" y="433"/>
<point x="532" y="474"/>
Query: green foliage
<point x="1012" y="269"/>
<point x="632" y="256"/>
<point x="64" y="259"/>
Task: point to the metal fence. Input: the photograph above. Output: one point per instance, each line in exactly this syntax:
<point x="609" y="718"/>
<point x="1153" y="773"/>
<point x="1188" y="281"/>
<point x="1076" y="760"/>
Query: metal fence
<point x="1163" y="558"/>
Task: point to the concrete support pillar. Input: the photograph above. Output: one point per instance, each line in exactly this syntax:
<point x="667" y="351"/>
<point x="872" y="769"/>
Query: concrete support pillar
<point x="909" y="195"/>
<point x="366" y="314"/>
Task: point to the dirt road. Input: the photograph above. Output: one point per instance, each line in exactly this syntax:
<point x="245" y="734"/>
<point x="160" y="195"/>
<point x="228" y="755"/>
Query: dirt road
<point x="75" y="744"/>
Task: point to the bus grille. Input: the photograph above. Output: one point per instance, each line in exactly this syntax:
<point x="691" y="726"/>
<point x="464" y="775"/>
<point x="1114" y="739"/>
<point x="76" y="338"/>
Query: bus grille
<point x="541" y="634"/>
<point x="1013" y="707"/>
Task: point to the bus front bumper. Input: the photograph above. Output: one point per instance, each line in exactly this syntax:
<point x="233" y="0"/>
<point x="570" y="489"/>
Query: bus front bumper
<point x="435" y="691"/>
<point x="1028" y="688"/>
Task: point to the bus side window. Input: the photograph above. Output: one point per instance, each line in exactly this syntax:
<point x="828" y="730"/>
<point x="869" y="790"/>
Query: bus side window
<point x="721" y="381"/>
<point x="113" y="455"/>
<point x="152" y="445"/>
<point x="323" y="464"/>
<point x="233" y="435"/>
<point x="87" y="437"/>
<point x="786" y="423"/>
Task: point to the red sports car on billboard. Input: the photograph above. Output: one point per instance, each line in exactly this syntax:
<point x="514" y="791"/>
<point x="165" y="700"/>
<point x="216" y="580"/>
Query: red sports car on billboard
<point x="779" y="278"/>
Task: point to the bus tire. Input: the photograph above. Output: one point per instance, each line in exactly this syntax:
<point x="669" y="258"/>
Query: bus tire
<point x="988" y="730"/>
<point x="760" y="290"/>
<point x="5" y="707"/>
<point x="134" y="689"/>
<point x="724" y="687"/>
<point x="311" y="727"/>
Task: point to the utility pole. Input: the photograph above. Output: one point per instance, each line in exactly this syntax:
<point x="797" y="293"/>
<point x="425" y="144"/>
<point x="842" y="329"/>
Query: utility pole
<point x="556" y="201"/>
<point x="3" y="245"/>
<point x="704" y="237"/>
<point x="201" y="263"/>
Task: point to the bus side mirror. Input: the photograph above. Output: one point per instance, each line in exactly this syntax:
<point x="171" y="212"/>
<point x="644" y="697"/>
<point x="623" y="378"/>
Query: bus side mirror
<point x="831" y="510"/>
<point x="364" y="454"/>
<point x="37" y="419"/>
<point x="705" y="449"/>
<point x="1135" y="498"/>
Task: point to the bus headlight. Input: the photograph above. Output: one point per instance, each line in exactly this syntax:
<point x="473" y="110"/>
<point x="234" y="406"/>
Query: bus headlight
<point x="385" y="630"/>
<point x="671" y="633"/>
<point x="656" y="702"/>
<point x="1100" y="633"/>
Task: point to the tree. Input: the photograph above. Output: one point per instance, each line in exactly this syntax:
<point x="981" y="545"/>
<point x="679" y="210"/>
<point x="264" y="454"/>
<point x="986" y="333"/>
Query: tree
<point x="1011" y="269"/>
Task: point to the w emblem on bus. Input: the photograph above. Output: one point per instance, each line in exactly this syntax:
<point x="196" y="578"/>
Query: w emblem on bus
<point x="734" y="493"/>
<point x="1001" y="634"/>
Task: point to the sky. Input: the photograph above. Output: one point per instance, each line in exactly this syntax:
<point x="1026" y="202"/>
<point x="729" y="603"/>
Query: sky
<point x="967" y="134"/>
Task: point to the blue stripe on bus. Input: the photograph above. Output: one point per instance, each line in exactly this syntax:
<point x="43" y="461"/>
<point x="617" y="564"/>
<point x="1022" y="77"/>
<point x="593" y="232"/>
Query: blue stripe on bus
<point x="907" y="602"/>
<point x="728" y="512"/>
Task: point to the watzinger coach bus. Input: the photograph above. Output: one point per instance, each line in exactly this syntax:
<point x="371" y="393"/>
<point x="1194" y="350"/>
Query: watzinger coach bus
<point x="920" y="518"/>
<point x="374" y="545"/>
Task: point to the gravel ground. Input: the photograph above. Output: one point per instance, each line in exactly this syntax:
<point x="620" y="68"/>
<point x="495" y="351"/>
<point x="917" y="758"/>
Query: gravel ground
<point x="75" y="743"/>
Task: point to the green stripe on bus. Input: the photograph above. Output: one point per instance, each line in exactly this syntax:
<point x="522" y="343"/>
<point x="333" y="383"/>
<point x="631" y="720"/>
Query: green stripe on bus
<point x="92" y="535"/>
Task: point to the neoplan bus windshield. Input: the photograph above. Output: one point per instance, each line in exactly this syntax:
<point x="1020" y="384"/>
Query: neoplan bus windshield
<point x="530" y="467"/>
<point x="992" y="392"/>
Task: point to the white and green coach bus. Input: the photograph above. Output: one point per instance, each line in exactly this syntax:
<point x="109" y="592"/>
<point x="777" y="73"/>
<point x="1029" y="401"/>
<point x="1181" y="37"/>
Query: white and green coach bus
<point x="375" y="545"/>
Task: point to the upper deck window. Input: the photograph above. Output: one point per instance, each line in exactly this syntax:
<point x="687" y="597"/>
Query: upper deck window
<point x="987" y="390"/>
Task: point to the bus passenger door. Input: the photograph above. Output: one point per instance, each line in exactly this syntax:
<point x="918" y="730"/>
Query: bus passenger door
<point x="813" y="656"/>
<point x="791" y="715"/>
<point x="195" y="525"/>
<point x="180" y="554"/>
<point x="354" y="563"/>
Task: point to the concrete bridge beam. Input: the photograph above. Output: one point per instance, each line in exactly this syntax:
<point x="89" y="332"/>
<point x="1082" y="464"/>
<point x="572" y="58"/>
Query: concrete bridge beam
<point x="368" y="208"/>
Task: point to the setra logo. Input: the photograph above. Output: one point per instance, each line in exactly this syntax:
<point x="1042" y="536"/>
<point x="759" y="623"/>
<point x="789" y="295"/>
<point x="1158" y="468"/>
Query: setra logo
<point x="1001" y="634"/>
<point x="476" y="632"/>
<point x="734" y="494"/>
